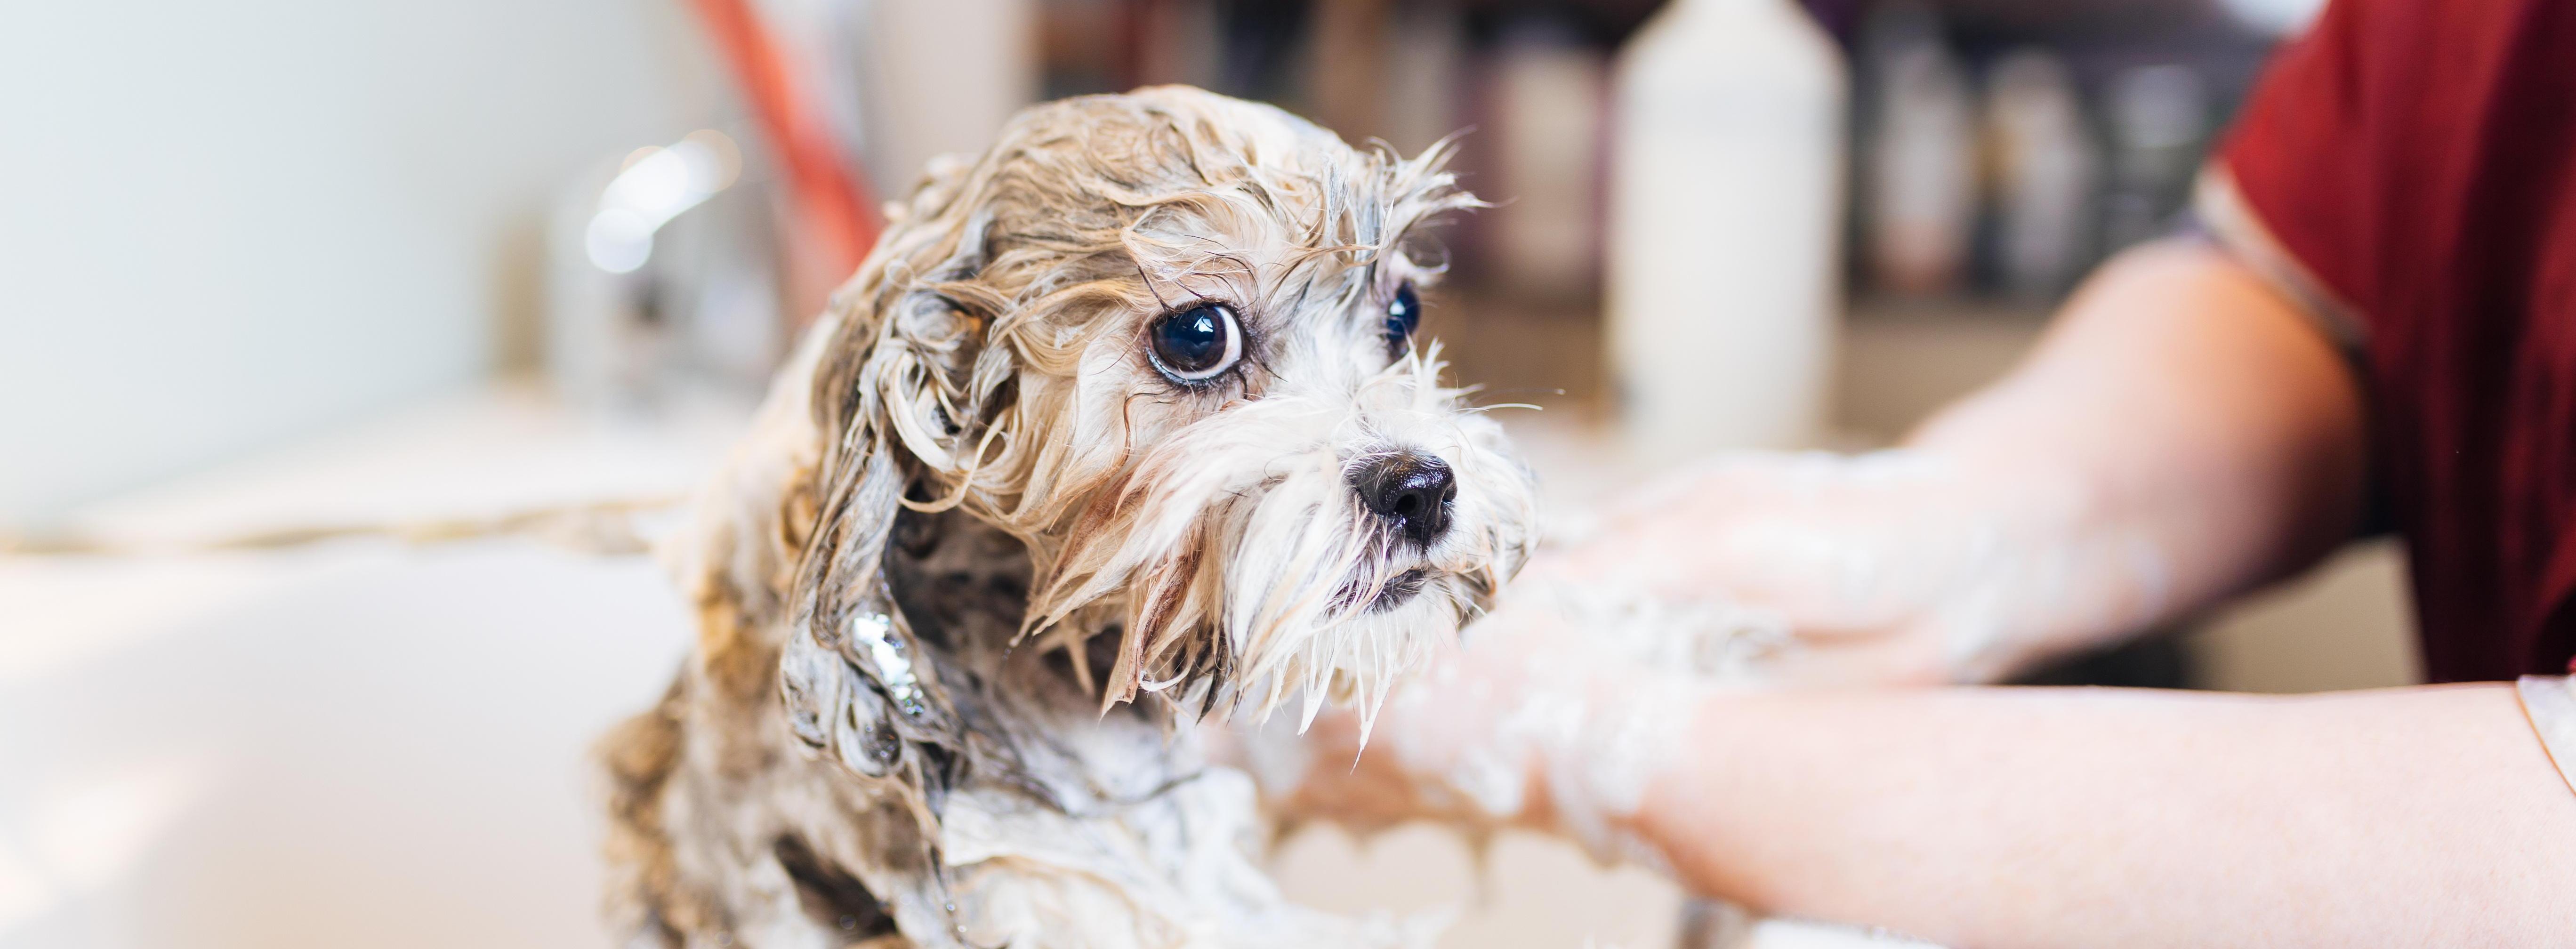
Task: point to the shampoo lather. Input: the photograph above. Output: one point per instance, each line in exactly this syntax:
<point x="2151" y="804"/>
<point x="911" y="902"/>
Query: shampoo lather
<point x="1725" y="224"/>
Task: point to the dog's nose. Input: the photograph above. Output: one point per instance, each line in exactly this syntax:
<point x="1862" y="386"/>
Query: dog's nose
<point x="1412" y="491"/>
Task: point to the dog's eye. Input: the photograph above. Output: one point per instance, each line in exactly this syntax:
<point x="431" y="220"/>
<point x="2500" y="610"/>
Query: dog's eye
<point x="1196" y="344"/>
<point x="1403" y="316"/>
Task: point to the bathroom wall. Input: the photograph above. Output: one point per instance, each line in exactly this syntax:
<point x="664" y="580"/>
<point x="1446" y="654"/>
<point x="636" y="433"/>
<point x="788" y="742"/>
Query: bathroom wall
<point x="226" y="225"/>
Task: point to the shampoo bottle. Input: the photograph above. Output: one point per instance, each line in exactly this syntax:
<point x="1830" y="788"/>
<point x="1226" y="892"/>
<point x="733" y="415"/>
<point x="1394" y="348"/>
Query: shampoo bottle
<point x="1725" y="224"/>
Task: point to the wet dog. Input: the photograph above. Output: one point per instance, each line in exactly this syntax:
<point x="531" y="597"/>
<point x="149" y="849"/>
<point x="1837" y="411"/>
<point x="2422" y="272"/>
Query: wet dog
<point x="1124" y="427"/>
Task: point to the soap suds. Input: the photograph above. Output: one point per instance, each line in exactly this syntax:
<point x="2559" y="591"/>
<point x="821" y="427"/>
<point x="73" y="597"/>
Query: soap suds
<point x="1598" y="701"/>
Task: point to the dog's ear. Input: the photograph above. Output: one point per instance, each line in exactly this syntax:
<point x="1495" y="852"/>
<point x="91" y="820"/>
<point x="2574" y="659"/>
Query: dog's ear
<point x="890" y="393"/>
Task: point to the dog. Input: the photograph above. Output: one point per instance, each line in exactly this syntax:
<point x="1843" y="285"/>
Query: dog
<point x="1124" y="428"/>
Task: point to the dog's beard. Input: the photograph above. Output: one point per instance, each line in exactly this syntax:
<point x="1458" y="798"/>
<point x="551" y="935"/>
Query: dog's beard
<point x="1252" y="573"/>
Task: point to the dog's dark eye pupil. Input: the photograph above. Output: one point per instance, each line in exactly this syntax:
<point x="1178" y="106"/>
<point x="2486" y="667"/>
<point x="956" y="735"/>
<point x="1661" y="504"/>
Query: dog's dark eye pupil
<point x="1197" y="343"/>
<point x="1193" y="339"/>
<point x="1403" y="316"/>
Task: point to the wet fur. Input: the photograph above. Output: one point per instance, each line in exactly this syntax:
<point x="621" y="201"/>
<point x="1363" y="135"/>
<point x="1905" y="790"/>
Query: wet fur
<point x="978" y="574"/>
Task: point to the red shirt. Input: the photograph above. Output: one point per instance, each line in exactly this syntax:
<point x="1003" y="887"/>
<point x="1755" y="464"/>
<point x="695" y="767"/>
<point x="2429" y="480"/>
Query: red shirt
<point x="2417" y="158"/>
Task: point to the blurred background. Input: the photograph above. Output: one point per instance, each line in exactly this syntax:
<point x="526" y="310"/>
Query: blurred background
<point x="279" y="269"/>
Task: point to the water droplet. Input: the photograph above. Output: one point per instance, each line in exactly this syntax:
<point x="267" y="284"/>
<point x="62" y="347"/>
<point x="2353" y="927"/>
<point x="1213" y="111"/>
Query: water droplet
<point x="874" y="632"/>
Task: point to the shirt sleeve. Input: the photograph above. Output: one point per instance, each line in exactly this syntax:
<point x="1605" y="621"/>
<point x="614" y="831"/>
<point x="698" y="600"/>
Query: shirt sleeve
<point x="2550" y="702"/>
<point x="2294" y="189"/>
<point x="2221" y="212"/>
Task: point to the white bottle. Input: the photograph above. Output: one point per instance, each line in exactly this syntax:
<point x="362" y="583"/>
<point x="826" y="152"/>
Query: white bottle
<point x="1726" y="219"/>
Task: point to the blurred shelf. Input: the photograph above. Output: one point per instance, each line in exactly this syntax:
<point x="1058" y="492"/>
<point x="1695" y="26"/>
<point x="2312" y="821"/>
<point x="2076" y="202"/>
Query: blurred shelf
<point x="1904" y="359"/>
<point x="1901" y="359"/>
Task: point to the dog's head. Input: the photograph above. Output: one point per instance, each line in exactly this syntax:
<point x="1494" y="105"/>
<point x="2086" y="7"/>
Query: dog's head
<point x="1168" y="341"/>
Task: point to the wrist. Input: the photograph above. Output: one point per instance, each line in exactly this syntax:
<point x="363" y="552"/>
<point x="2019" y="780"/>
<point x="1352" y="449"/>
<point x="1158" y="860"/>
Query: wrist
<point x="1598" y="758"/>
<point x="2031" y="553"/>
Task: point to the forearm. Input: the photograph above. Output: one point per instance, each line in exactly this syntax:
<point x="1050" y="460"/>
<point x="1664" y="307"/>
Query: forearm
<point x="2182" y="433"/>
<point x="2184" y="423"/>
<point x="2045" y="817"/>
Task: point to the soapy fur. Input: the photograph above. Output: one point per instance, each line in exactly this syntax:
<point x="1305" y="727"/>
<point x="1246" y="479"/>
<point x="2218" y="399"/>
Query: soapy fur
<point x="978" y="573"/>
<point x="1595" y="715"/>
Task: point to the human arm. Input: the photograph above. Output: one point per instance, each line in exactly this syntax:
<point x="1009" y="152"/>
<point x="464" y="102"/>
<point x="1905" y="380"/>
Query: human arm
<point x="1985" y="816"/>
<point x="2182" y="432"/>
<point x="2057" y="817"/>
<point x="2180" y="409"/>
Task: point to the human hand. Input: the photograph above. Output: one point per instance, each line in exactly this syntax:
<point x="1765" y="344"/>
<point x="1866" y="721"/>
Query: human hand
<point x="1552" y="713"/>
<point x="1748" y="570"/>
<point x="1903" y="566"/>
